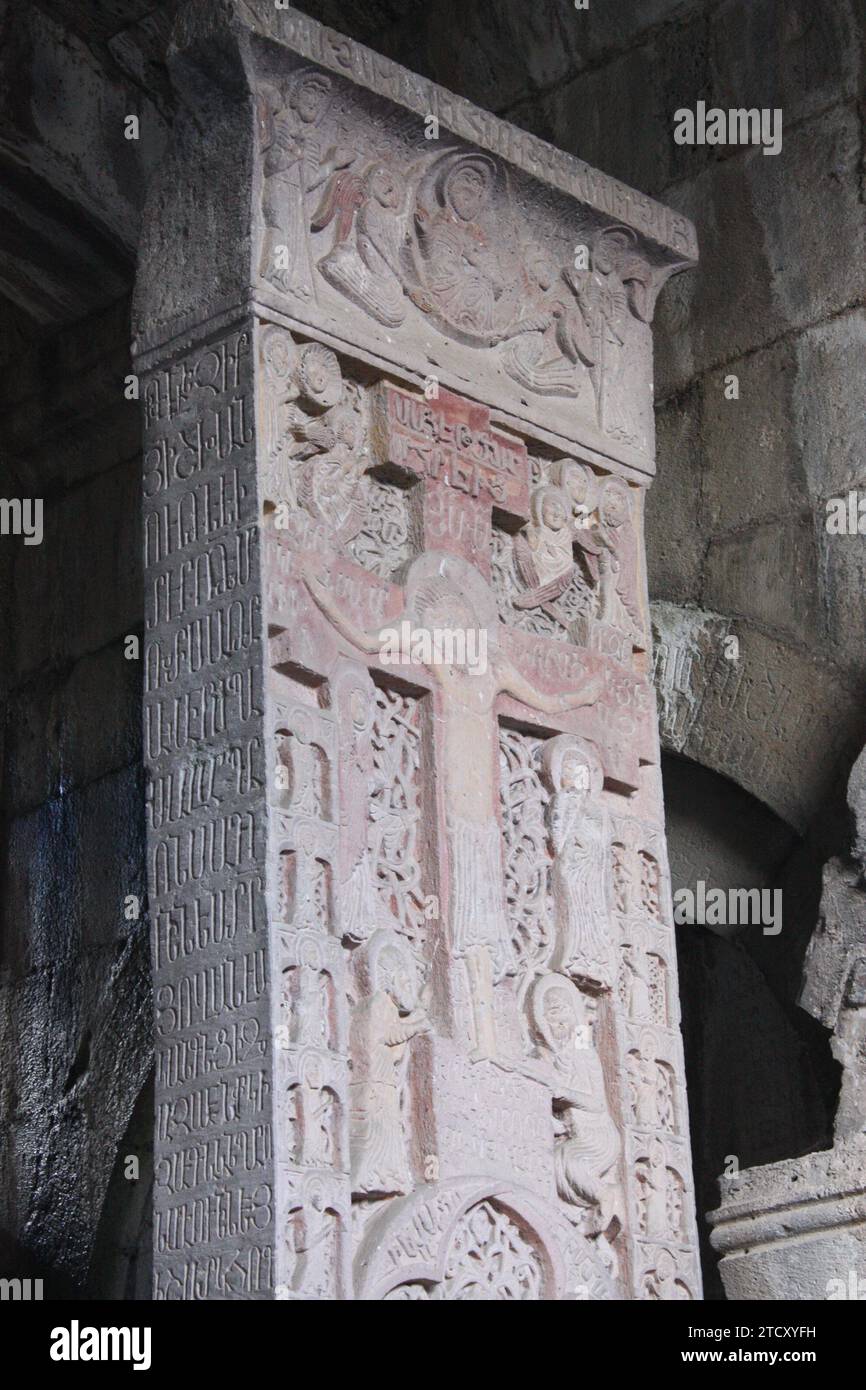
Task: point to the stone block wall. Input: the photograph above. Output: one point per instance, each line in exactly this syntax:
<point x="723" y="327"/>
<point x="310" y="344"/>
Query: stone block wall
<point x="74" y="971"/>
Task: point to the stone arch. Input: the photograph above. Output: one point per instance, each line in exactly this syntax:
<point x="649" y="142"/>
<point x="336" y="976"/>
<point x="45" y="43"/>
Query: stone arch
<point x="408" y="1246"/>
<point x="776" y="720"/>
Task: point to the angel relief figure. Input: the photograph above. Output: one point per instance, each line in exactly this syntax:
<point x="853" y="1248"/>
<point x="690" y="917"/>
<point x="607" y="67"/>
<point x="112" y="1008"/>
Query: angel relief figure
<point x="543" y="553"/>
<point x="294" y="164"/>
<point x="611" y="553"/>
<point x="330" y="480"/>
<point x="368" y="216"/>
<point x="320" y="458"/>
<point x="577" y="327"/>
<point x="617" y="285"/>
<point x="551" y="349"/>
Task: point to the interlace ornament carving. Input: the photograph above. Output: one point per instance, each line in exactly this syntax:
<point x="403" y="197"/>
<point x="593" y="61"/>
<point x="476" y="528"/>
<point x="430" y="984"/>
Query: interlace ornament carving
<point x="523" y="799"/>
<point x="395" y="808"/>
<point x="384" y="542"/>
<point x="489" y="1260"/>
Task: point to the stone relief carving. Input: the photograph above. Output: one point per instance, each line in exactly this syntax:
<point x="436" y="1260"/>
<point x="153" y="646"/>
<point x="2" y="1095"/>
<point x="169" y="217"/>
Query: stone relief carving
<point x="295" y="163"/>
<point x="330" y="479"/>
<point x="316" y="1107"/>
<point x="650" y="885"/>
<point x="444" y="592"/>
<point x="643" y="985"/>
<point x="467" y="277"/>
<point x="608" y="545"/>
<point x="303" y="765"/>
<point x="313" y="1237"/>
<point x="572" y="572"/>
<point x="579" y="830"/>
<point x="576" y="328"/>
<point x="368" y="214"/>
<point x="360" y="907"/>
<point x="651" y="1086"/>
<point x="310" y="1005"/>
<point x="409" y="233"/>
<point x="588" y="1143"/>
<point x="523" y="801"/>
<point x="385" y="541"/>
<point x="660" y="1202"/>
<point x="489" y="1259"/>
<point x="543" y="553"/>
<point x="383" y="1022"/>
<point x="471" y="1238"/>
<point x="315" y="434"/>
<point x="395" y="808"/>
<point x="640" y="876"/>
<point x="449" y="1026"/>
<point x="661" y="1282"/>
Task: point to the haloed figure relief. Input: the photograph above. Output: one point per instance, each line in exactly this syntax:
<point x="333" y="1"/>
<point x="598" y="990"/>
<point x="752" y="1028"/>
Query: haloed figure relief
<point x="588" y="1142"/>
<point x="387" y="1015"/>
<point x="580" y="839"/>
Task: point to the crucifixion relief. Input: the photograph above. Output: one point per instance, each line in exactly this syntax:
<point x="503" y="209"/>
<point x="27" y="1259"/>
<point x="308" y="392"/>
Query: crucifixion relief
<point x="414" y="972"/>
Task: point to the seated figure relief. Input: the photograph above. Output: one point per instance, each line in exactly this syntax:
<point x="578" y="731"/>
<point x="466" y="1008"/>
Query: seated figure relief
<point x="575" y="565"/>
<point x="543" y="553"/>
<point x="367" y="212"/>
<point x="315" y="442"/>
<point x="466" y="277"/>
<point x="588" y="1142"/>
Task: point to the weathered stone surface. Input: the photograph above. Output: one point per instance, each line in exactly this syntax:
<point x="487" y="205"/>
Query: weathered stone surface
<point x="409" y="898"/>
<point x="796" y="56"/>
<point x="795" y="1230"/>
<point x="773" y="719"/>
<point x="625" y="106"/>
<point x="70" y="223"/>
<point x="830" y="428"/>
<point x="746" y="300"/>
<point x="101" y="595"/>
<point x="784" y="553"/>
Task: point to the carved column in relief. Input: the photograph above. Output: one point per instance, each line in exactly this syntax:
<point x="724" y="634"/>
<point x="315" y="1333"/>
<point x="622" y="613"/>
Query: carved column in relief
<point x="415" y="984"/>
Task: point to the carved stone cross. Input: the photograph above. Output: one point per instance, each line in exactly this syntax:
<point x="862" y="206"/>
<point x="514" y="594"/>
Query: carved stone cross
<point x="414" y="975"/>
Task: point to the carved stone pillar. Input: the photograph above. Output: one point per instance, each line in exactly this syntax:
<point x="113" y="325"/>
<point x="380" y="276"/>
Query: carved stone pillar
<point x="415" y="981"/>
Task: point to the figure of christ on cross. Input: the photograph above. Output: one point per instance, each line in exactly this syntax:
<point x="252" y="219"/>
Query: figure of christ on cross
<point x="444" y="592"/>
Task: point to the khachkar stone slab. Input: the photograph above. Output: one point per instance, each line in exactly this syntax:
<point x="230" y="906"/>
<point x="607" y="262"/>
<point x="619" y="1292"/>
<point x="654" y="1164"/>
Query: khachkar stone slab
<point x="417" y="1017"/>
